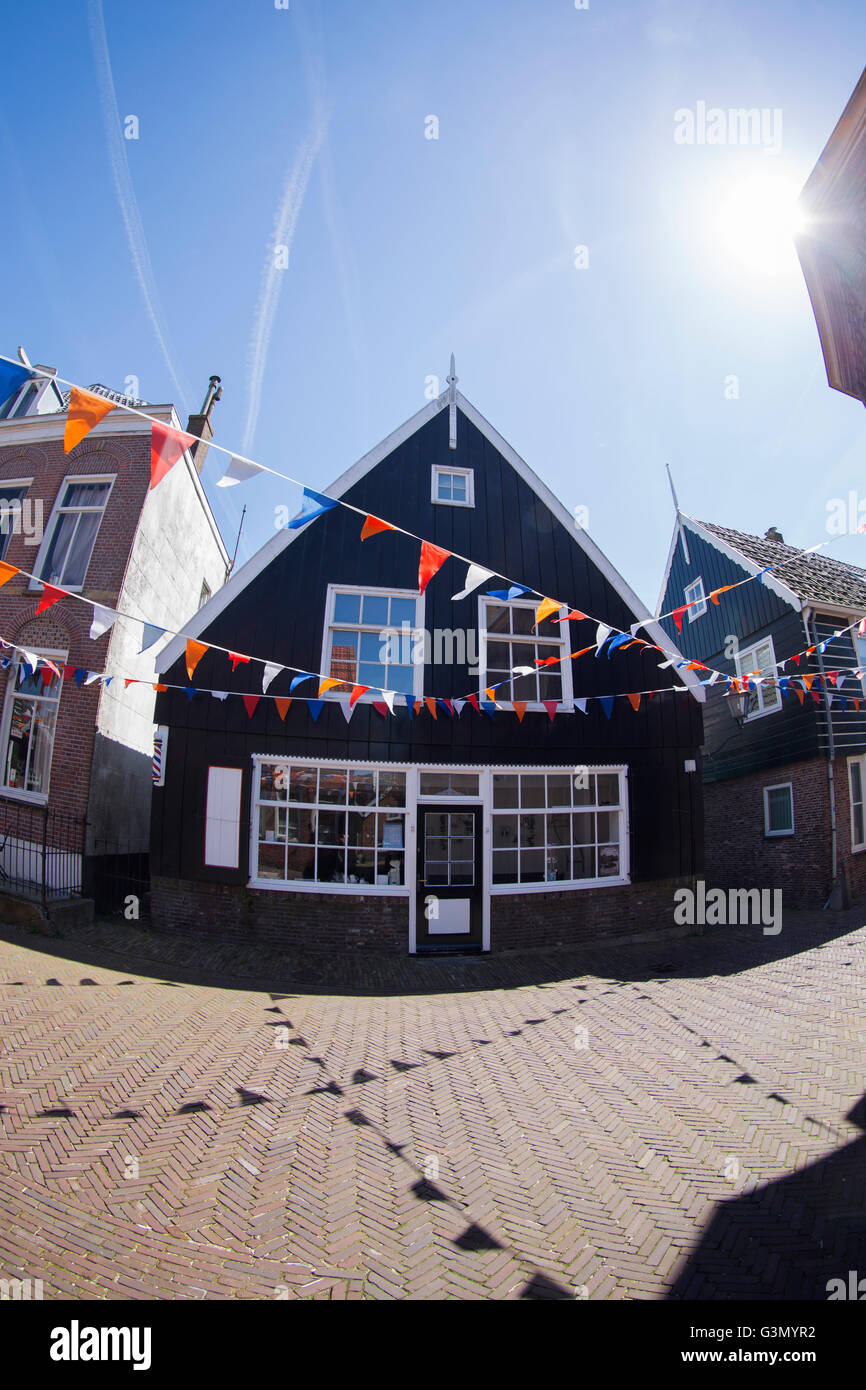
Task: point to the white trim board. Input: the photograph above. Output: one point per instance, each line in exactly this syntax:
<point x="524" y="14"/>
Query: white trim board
<point x="278" y="543"/>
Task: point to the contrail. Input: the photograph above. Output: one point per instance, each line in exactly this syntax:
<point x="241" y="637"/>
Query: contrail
<point x="123" y="184"/>
<point x="271" y="283"/>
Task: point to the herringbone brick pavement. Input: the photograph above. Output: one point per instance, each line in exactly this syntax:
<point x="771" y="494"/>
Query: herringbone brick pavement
<point x="668" y="1120"/>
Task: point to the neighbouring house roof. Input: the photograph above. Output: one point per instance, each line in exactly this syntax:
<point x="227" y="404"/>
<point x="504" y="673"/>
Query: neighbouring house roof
<point x="813" y="577"/>
<point x="831" y="247"/>
<point x="97" y="389"/>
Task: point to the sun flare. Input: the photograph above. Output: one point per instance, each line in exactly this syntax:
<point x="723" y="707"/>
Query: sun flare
<point x="757" y="221"/>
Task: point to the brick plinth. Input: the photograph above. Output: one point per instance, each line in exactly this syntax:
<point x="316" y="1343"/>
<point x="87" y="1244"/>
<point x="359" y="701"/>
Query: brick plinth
<point x="334" y="922"/>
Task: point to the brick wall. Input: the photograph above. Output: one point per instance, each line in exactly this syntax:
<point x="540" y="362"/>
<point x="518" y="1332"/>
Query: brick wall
<point x="66" y="625"/>
<point x="740" y="855"/>
<point x="331" y="921"/>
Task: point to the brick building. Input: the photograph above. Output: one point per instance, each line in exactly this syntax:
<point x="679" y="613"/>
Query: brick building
<point x="785" y="778"/>
<point x="76" y="753"/>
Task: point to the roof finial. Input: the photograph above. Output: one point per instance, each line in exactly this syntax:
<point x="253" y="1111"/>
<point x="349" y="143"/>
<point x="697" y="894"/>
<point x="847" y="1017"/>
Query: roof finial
<point x="452" y="406"/>
<point x="680" y="527"/>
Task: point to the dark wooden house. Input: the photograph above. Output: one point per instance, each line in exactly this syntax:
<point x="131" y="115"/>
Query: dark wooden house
<point x="832" y="247"/>
<point x="784" y="764"/>
<point x="440" y="825"/>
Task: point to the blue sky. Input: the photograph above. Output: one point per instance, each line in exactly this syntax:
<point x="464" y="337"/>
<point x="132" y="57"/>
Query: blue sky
<point x="556" y="130"/>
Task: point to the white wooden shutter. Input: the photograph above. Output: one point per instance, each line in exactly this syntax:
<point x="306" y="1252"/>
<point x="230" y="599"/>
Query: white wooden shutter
<point x="223" y="817"/>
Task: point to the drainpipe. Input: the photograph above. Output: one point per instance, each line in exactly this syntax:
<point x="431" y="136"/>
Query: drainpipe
<point x="835" y="888"/>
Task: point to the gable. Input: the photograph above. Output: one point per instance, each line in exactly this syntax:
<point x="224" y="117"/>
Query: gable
<point x="744" y="611"/>
<point x="517" y="529"/>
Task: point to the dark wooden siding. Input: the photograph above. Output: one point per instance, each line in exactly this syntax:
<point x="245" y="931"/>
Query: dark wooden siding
<point x="849" y="724"/>
<point x="280" y="615"/>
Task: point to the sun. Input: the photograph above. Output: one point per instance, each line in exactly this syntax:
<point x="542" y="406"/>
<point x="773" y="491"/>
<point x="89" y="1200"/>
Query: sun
<point x="756" y="222"/>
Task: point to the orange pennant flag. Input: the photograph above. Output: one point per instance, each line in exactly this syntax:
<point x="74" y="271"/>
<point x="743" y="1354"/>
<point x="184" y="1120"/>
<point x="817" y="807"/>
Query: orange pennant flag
<point x="7" y="571"/>
<point x="166" y="447"/>
<point x="357" y="692"/>
<point x="416" y="707"/>
<point x="372" y="526"/>
<point x="49" y="595"/>
<point x="431" y="705"/>
<point x="634" y="700"/>
<point x="237" y="659"/>
<point x="856" y="700"/>
<point x="282" y="703"/>
<point x="160" y="689"/>
<point x="194" y="653"/>
<point x="85" y="410"/>
<point x="519" y="707"/>
<point x="490" y="693"/>
<point x="433" y="557"/>
<point x="573" y="615"/>
<point x="714" y="596"/>
<point x="799" y="693"/>
<point x="807" y="681"/>
<point x="328" y="684"/>
<point x="583" y="651"/>
<point x="545" y="608"/>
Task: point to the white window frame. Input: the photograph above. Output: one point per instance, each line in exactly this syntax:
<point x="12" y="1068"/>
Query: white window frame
<point x="20" y="793"/>
<point x="699" y="599"/>
<point x="443" y="468"/>
<point x="25" y="483"/>
<point x="566" y="703"/>
<point x="573" y="884"/>
<point x="776" y="787"/>
<point x="71" y="479"/>
<point x="859" y="644"/>
<point x="393" y="890"/>
<point x="857" y="846"/>
<point x="746" y="661"/>
<point x="417" y="632"/>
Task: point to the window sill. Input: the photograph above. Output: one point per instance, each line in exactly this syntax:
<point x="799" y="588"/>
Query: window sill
<point x="343" y="889"/>
<point x="30" y="798"/>
<point x="555" y="886"/>
<point x="446" y="502"/>
<point x="779" y="834"/>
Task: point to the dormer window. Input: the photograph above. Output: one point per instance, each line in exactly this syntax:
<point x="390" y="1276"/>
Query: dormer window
<point x="453" y="487"/>
<point x="696" y="597"/>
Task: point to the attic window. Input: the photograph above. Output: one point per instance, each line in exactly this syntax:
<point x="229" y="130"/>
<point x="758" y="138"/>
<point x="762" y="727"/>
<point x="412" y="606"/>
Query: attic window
<point x="453" y="487"/>
<point x="695" y="596"/>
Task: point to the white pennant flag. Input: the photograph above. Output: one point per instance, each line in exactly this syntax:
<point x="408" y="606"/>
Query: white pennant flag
<point x="271" y="670"/>
<point x="30" y="658"/>
<point x="601" y="632"/>
<point x="239" y="471"/>
<point x="347" y="706"/>
<point x="581" y="705"/>
<point x="475" y="575"/>
<point x="220" y="694"/>
<point x="523" y="670"/>
<point x="103" y="618"/>
<point x="92" y="676"/>
<point x="714" y="677"/>
<point x="663" y="664"/>
<point x="388" y="697"/>
<point x="458" y="706"/>
<point x="840" y="678"/>
<point x="634" y="627"/>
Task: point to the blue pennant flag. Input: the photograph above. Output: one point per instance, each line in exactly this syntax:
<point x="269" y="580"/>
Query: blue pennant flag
<point x="606" y="702"/>
<point x="191" y="690"/>
<point x="489" y="708"/>
<point x="80" y="673"/>
<point x="784" y="682"/>
<point x="313" y="505"/>
<point x="150" y="634"/>
<point x="506" y="594"/>
<point x="618" y="641"/>
<point x="844" y="699"/>
<point x="304" y="676"/>
<point x="444" y="704"/>
<point x="315" y="707"/>
<point x="12" y="378"/>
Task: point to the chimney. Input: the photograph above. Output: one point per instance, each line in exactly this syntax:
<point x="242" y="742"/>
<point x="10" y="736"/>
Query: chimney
<point x="201" y="426"/>
<point x="774" y="535"/>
